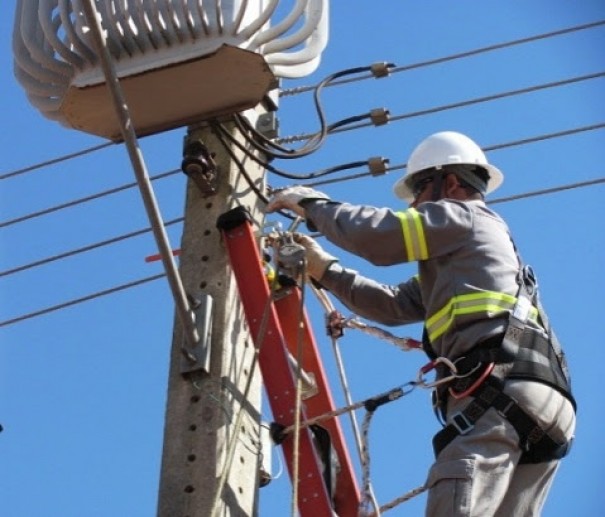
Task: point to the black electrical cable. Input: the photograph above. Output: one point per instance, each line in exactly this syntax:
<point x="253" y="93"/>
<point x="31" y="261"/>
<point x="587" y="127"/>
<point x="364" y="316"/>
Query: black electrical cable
<point x="514" y="143"/>
<point x="216" y="130"/>
<point x="284" y="174"/>
<point x="530" y="39"/>
<point x="445" y="107"/>
<point x="336" y="82"/>
<point x="274" y="149"/>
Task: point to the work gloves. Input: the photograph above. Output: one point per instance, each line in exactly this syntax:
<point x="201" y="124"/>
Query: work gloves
<point x="318" y="260"/>
<point x="291" y="198"/>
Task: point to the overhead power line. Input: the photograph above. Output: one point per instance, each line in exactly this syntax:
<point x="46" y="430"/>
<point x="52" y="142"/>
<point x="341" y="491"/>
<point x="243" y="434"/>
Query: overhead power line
<point x="453" y="57"/>
<point x="561" y="188"/>
<point x="52" y="161"/>
<point x="85" y="249"/>
<point x="543" y="192"/>
<point x="365" y="174"/>
<point x="141" y="281"/>
<point x="304" y="89"/>
<point x="461" y="104"/>
<point x="514" y="143"/>
<point x="83" y="299"/>
<point x="338" y="128"/>
<point x="82" y="200"/>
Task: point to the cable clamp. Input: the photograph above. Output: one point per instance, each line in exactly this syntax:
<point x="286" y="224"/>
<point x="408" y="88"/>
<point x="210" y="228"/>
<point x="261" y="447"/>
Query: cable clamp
<point x="378" y="165"/>
<point x="381" y="69"/>
<point x="380" y="116"/>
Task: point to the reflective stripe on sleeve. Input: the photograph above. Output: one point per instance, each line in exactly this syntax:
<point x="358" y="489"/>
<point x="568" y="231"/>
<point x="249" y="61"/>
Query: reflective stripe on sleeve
<point x="413" y="235"/>
<point x="487" y="304"/>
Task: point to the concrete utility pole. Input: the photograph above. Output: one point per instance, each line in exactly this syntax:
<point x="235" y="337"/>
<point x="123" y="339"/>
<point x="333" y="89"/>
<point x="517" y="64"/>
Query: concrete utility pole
<point x="201" y="441"/>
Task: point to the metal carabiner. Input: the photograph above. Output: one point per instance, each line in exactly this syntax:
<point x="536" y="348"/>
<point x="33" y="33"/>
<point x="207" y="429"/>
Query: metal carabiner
<point x="431" y="366"/>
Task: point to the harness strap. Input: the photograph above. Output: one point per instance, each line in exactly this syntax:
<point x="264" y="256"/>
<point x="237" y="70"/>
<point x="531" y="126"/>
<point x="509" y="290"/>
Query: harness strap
<point x="536" y="444"/>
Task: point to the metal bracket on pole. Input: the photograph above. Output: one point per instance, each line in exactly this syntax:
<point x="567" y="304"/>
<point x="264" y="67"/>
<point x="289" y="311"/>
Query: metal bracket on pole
<point x="198" y="163"/>
<point x="198" y="358"/>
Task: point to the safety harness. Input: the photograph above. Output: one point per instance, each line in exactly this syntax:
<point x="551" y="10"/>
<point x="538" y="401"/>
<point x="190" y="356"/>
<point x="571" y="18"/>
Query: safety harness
<point x="522" y="352"/>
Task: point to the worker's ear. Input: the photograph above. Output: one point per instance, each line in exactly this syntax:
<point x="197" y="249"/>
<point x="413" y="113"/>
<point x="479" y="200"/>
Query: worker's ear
<point x="451" y="184"/>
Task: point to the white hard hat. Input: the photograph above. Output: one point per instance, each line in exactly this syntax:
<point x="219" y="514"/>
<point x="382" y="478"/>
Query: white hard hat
<point x="445" y="148"/>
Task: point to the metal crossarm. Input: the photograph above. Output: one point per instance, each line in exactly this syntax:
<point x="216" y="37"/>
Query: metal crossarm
<point x="274" y="326"/>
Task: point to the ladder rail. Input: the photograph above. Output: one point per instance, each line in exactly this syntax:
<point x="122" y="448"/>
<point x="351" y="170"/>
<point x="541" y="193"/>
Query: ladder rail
<point x="279" y="341"/>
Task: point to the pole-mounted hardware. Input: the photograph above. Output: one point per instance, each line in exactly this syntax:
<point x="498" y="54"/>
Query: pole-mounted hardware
<point x="198" y="163"/>
<point x="197" y="358"/>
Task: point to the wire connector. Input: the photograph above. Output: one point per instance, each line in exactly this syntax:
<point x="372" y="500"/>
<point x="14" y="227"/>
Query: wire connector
<point x="378" y="165"/>
<point x="381" y="69"/>
<point x="380" y="116"/>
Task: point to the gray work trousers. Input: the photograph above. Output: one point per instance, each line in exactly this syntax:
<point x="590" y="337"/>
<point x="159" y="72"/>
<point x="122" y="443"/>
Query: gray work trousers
<point x="478" y="473"/>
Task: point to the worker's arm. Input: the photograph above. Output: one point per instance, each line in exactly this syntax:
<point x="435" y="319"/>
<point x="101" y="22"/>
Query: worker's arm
<point x="385" y="304"/>
<point x="381" y="235"/>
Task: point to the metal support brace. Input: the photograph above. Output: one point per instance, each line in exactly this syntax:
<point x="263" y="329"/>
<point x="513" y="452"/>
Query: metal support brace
<point x="198" y="358"/>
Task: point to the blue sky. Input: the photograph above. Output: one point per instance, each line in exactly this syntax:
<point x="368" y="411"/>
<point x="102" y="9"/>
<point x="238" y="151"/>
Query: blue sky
<point x="83" y="389"/>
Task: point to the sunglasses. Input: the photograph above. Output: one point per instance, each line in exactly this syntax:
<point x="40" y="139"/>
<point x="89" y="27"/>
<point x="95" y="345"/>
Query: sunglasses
<point x="419" y="186"/>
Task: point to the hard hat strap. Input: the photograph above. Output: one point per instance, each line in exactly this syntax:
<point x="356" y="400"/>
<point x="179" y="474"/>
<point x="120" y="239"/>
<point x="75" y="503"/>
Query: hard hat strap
<point x="437" y="184"/>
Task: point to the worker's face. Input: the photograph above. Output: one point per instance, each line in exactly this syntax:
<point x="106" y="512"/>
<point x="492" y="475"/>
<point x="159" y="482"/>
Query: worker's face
<point x="422" y="191"/>
<point x="450" y="188"/>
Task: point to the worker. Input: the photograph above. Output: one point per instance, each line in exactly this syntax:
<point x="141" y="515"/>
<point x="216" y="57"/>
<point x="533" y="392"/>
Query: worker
<point x="508" y="412"/>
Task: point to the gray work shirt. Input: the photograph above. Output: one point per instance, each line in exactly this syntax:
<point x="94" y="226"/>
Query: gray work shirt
<point x="467" y="267"/>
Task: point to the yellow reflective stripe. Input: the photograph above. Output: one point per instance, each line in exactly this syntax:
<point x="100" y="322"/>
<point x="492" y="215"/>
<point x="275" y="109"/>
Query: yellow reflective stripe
<point x="413" y="235"/>
<point x="488" y="302"/>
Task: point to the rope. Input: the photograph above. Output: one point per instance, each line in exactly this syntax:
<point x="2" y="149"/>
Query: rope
<point x="364" y="505"/>
<point x="371" y="405"/>
<point x="330" y="309"/>
<point x="402" y="499"/>
<point x="298" y="399"/>
<point x="364" y="510"/>
<point x="403" y="343"/>
<point x="233" y="442"/>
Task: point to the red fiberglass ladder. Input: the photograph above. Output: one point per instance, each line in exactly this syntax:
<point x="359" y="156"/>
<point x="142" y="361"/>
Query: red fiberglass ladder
<point x="318" y="495"/>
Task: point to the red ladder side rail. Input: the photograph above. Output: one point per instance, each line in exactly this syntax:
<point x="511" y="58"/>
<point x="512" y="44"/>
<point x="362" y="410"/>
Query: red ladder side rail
<point x="313" y="498"/>
<point x="347" y="497"/>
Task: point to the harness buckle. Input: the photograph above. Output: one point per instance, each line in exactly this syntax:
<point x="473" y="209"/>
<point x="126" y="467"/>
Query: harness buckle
<point x="462" y="424"/>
